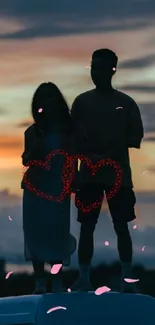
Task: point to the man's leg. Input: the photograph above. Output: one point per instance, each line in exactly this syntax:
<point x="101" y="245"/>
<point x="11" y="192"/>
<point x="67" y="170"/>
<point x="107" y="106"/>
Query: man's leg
<point x="124" y="245"/>
<point x="122" y="211"/>
<point x="40" y="284"/>
<point x="87" y="194"/>
<point x="86" y="248"/>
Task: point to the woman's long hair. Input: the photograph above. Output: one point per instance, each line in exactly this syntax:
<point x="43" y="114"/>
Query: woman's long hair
<point x="50" y="110"/>
<point x="51" y="113"/>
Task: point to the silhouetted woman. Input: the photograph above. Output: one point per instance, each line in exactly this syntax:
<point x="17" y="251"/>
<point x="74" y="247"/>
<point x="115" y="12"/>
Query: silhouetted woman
<point x="46" y="223"/>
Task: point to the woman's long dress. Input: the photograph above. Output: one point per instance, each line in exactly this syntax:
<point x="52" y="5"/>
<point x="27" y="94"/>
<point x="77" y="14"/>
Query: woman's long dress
<point x="46" y="224"/>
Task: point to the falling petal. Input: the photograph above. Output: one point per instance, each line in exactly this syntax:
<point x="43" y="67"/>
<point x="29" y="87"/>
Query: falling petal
<point x="106" y="243"/>
<point x="135" y="226"/>
<point x="10" y="218"/>
<point x="101" y="290"/>
<point x="145" y="171"/>
<point x="69" y="290"/>
<point x="88" y="67"/>
<point x="55" y="308"/>
<point x="114" y="69"/>
<point x="8" y="274"/>
<point x="56" y="268"/>
<point x="131" y="280"/>
<point x="143" y="248"/>
<point x="40" y="110"/>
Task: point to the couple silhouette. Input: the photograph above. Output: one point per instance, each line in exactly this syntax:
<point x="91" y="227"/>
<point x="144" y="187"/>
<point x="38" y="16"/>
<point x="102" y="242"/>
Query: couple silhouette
<point x="103" y="124"/>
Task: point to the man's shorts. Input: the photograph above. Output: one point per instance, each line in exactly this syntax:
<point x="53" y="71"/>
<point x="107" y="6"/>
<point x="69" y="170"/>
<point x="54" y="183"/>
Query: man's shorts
<point x="121" y="205"/>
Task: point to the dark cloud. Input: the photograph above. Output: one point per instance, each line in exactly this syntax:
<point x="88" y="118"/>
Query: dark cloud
<point x="49" y="18"/>
<point x="139" y="88"/>
<point x="24" y="124"/>
<point x="151" y="169"/>
<point x="2" y="111"/>
<point x="138" y="63"/>
<point x="57" y="30"/>
<point x="145" y="197"/>
<point x="147" y="106"/>
<point x="86" y="9"/>
<point x="147" y="109"/>
<point x="149" y="139"/>
<point x="148" y="116"/>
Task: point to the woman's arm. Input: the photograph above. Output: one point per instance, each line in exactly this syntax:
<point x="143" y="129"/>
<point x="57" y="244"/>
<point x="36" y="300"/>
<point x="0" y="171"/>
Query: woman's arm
<point x="33" y="146"/>
<point x="26" y="153"/>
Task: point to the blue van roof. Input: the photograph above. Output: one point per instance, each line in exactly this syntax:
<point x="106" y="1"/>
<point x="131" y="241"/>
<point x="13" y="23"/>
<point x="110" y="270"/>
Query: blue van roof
<point x="19" y="310"/>
<point x="78" y="309"/>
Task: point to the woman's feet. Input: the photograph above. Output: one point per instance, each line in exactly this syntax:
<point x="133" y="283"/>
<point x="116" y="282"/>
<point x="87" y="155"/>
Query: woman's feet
<point x="40" y="287"/>
<point x="57" y="282"/>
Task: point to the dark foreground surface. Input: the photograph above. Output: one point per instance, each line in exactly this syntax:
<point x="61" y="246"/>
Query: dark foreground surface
<point x="78" y="309"/>
<point x="81" y="308"/>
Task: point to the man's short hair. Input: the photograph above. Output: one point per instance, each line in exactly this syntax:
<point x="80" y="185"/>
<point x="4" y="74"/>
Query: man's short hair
<point x="106" y="55"/>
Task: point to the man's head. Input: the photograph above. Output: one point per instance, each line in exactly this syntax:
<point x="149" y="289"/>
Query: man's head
<point x="103" y="66"/>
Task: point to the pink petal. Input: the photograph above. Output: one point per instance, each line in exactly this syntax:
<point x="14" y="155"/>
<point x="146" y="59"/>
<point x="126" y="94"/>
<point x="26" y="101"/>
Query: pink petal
<point x="55" y="308"/>
<point x="101" y="290"/>
<point x="56" y="268"/>
<point x="135" y="226"/>
<point x="143" y="248"/>
<point x="69" y="290"/>
<point x="106" y="243"/>
<point x="8" y="274"/>
<point x="40" y="110"/>
<point x="10" y="218"/>
<point x="130" y="280"/>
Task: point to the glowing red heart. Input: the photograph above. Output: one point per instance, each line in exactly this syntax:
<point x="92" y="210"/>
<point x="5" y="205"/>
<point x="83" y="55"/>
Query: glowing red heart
<point x="68" y="174"/>
<point x="66" y="179"/>
<point x="94" y="168"/>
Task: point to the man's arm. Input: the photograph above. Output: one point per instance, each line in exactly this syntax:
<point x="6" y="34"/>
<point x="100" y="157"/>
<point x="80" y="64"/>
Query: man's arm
<point x="76" y="117"/>
<point x="81" y="133"/>
<point x="135" y="130"/>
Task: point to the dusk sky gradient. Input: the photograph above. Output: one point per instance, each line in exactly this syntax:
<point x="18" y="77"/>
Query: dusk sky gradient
<point x="53" y="41"/>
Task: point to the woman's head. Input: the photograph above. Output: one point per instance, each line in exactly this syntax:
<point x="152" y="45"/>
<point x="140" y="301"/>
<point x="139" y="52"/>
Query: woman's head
<point x="49" y="108"/>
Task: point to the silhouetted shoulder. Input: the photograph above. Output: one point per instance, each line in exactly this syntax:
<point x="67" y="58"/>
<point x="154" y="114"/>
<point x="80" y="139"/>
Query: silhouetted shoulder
<point x="125" y="98"/>
<point x="80" y="101"/>
<point x="84" y="95"/>
<point x="29" y="129"/>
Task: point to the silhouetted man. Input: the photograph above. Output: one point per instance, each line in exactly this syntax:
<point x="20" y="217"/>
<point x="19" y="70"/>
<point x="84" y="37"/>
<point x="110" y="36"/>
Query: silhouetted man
<point x="113" y="124"/>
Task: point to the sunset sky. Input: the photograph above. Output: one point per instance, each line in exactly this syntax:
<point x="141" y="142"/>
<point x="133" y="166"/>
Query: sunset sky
<point x="53" y="41"/>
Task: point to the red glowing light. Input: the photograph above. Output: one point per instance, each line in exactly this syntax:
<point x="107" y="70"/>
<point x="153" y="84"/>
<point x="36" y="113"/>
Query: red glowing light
<point x="68" y="171"/>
